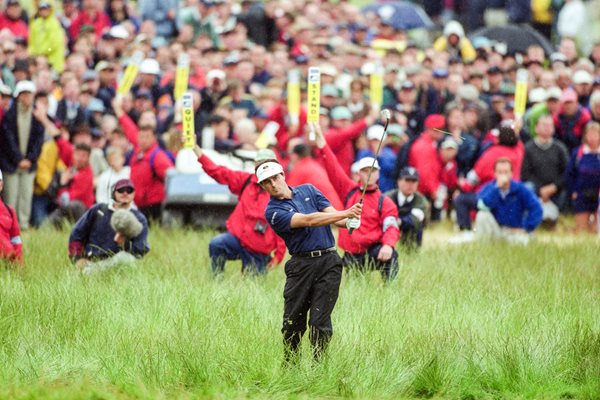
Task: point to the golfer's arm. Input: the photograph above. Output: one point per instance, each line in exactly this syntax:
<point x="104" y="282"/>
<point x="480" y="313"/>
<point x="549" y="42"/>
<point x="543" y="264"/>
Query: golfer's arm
<point x="328" y="216"/>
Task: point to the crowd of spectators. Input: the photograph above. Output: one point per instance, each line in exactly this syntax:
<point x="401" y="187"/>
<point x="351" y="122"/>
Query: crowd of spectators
<point x="66" y="136"/>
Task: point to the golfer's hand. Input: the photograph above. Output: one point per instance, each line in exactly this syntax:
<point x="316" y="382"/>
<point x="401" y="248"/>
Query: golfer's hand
<point x="352" y="223"/>
<point x="355" y="211"/>
<point x="385" y="253"/>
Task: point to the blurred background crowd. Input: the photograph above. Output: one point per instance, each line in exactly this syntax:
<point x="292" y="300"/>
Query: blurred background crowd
<point x="449" y="76"/>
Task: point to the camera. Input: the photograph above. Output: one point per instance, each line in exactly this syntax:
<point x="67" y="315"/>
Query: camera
<point x="260" y="227"/>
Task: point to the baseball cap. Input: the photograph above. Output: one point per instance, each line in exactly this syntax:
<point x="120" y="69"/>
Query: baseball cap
<point x="102" y="65"/>
<point x="582" y="76"/>
<point x="24" y="86"/>
<point x="215" y="74"/>
<point x="440" y="73"/>
<point x="96" y="105"/>
<point x="5" y="90"/>
<point x="538" y="95"/>
<point x="494" y="69"/>
<point x="123" y="183"/>
<point x="553" y="92"/>
<point x="367" y="162"/>
<point x="395" y="129"/>
<point x="568" y="95"/>
<point x="407" y="85"/>
<point x="118" y="32"/>
<point x="150" y="66"/>
<point x="558" y="57"/>
<point x="410" y="173"/>
<point x="330" y="90"/>
<point x="44" y="4"/>
<point x="449" y="143"/>
<point x="341" y="112"/>
<point x="265" y="154"/>
<point x="267" y="170"/>
<point x="435" y="121"/>
<point x="375" y="132"/>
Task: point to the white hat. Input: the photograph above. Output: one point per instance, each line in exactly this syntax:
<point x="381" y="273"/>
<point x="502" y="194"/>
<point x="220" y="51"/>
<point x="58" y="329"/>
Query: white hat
<point x="215" y="74"/>
<point x="118" y="32"/>
<point x="553" y="92"/>
<point x="375" y="132"/>
<point x="267" y="170"/>
<point x="449" y="143"/>
<point x="582" y="76"/>
<point x="24" y="86"/>
<point x="538" y="95"/>
<point x="150" y="66"/>
<point x="367" y="162"/>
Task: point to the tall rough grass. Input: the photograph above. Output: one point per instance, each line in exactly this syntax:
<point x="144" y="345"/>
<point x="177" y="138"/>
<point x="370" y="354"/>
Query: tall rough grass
<point x="483" y="321"/>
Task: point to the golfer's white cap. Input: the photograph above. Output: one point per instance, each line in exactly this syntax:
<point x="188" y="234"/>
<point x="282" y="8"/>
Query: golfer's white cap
<point x="267" y="170"/>
<point x="367" y="162"/>
<point x="375" y="132"/>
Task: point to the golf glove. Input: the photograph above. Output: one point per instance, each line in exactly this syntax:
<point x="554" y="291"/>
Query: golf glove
<point x="353" y="223"/>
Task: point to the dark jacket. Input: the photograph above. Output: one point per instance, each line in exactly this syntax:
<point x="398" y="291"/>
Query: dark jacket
<point x="10" y="155"/>
<point x="93" y="237"/>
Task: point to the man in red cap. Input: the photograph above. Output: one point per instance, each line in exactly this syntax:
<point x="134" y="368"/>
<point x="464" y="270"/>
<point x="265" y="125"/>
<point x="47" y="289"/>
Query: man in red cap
<point x="425" y="158"/>
<point x="94" y="237"/>
<point x="570" y="121"/>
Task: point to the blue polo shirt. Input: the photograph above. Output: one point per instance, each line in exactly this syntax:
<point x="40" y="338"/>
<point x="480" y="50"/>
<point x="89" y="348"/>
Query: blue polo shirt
<point x="306" y="199"/>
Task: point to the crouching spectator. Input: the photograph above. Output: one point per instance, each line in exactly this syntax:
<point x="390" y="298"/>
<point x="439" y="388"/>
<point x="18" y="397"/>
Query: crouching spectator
<point x="412" y="208"/>
<point x="11" y="246"/>
<point x="110" y="234"/>
<point x="76" y="193"/>
<point x="508" y="209"/>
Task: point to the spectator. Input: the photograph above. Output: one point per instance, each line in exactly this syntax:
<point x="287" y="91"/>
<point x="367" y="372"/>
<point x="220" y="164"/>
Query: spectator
<point x="107" y="235"/>
<point x="11" y="246"/>
<point x="509" y="147"/>
<point x="507" y="209"/>
<point x="47" y="37"/>
<point x="91" y="15"/>
<point x="424" y="157"/>
<point x="249" y="237"/>
<point x="583" y="178"/>
<point x="570" y="120"/>
<point x="163" y="13"/>
<point x="76" y="193"/>
<point x="342" y="133"/>
<point x="14" y="19"/>
<point x="373" y="244"/>
<point x="386" y="158"/>
<point x="412" y="208"/>
<point x="117" y="171"/>
<point x="595" y="106"/>
<point x="20" y="146"/>
<point x="543" y="170"/>
<point x="455" y="42"/>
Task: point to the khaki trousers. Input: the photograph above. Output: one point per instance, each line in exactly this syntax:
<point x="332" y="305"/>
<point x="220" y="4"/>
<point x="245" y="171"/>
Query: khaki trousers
<point x="18" y="192"/>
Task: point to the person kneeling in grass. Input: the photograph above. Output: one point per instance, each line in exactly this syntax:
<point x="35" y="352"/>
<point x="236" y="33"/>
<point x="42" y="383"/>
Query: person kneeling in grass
<point x="508" y="209"/>
<point x="110" y="234"/>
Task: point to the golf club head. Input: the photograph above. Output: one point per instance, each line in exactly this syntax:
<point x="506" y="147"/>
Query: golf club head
<point x="386" y="114"/>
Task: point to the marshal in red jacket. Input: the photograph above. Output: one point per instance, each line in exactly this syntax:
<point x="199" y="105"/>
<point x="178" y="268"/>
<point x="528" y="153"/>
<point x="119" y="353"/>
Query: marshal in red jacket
<point x="252" y="202"/>
<point x="375" y="227"/>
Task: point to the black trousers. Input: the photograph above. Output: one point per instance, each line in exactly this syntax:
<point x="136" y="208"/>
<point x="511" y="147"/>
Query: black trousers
<point x="311" y="291"/>
<point x="368" y="260"/>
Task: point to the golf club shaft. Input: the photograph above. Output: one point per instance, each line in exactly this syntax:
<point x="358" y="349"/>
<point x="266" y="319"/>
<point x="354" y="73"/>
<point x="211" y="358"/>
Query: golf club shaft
<point x="362" y="195"/>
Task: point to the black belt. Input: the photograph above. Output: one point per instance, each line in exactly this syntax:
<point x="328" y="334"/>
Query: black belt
<point x="315" y="253"/>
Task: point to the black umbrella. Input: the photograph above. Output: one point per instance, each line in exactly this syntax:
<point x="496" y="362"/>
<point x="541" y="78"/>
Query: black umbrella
<point x="516" y="37"/>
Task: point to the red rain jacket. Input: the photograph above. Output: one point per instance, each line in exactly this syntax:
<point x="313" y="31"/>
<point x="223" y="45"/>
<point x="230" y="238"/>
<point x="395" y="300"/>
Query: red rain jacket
<point x="425" y="158"/>
<point x="252" y="202"/>
<point x="375" y="227"/>
<point x="11" y="247"/>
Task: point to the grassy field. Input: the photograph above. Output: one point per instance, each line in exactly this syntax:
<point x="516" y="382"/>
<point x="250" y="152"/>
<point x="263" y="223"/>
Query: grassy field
<point x="476" y="322"/>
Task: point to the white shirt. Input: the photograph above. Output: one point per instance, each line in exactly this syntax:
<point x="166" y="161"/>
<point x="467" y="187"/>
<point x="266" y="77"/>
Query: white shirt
<point x="107" y="180"/>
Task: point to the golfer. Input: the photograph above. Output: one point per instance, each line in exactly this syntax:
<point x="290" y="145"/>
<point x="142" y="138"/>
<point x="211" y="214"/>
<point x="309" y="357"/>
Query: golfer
<point x="301" y="216"/>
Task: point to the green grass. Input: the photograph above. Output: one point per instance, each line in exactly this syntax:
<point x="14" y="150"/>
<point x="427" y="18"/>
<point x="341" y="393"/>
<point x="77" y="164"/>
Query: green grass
<point x="475" y="322"/>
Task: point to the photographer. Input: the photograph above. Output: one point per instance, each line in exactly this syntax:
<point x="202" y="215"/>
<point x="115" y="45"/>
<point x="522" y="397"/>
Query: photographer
<point x="116" y="231"/>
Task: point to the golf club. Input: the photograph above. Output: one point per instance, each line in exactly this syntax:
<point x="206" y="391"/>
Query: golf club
<point x="387" y="115"/>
